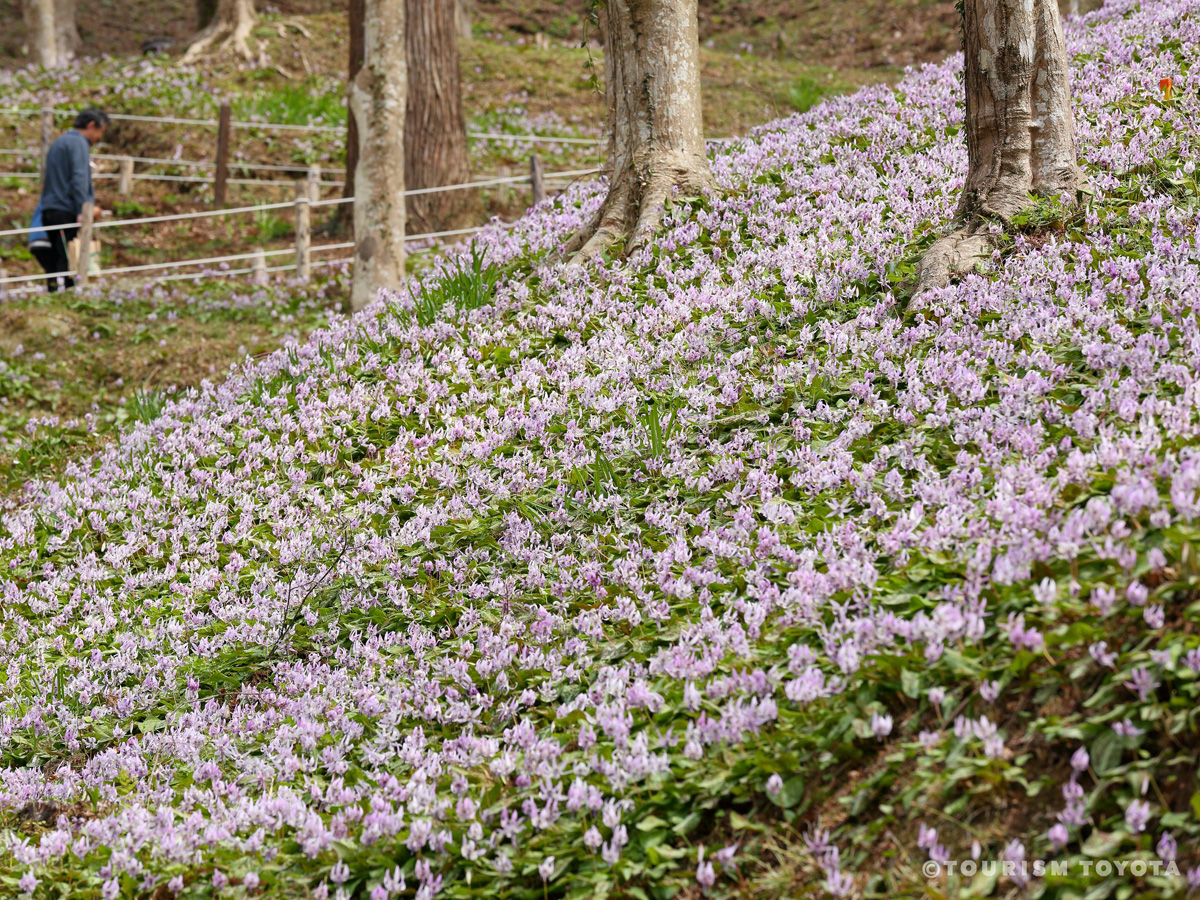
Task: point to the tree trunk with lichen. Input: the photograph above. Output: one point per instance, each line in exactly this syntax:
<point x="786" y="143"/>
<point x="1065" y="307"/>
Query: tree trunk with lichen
<point x="435" y="132"/>
<point x="1019" y="126"/>
<point x="40" y="32"/>
<point x="656" y="137"/>
<point x="378" y="99"/>
<point x="228" y="29"/>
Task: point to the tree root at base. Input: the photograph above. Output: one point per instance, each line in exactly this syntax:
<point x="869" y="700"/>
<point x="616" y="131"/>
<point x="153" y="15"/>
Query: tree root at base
<point x="219" y="37"/>
<point x="951" y="256"/>
<point x="634" y="210"/>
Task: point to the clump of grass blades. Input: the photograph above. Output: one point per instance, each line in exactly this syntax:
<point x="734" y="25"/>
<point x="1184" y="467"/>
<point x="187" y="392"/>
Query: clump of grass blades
<point x="467" y="283"/>
<point x="145" y="405"/>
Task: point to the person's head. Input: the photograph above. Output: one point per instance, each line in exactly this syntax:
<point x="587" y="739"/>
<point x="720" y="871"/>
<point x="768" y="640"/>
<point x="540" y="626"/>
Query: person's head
<point x="91" y="124"/>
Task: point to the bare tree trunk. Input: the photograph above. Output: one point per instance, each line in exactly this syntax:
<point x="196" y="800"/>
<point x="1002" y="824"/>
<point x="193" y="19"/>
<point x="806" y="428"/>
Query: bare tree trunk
<point x="1019" y="125"/>
<point x="377" y="98"/>
<point x="346" y="210"/>
<point x="435" y="133"/>
<point x="464" y="12"/>
<point x="229" y="29"/>
<point x="66" y="33"/>
<point x="656" y="138"/>
<point x="41" y="40"/>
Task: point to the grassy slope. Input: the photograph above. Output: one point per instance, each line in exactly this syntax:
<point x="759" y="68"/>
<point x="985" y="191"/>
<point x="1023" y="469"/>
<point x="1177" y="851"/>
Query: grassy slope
<point x="765" y="319"/>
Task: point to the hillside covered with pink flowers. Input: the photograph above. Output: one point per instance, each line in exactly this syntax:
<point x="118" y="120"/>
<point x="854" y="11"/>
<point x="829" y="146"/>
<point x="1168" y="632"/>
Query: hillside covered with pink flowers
<point x="709" y="571"/>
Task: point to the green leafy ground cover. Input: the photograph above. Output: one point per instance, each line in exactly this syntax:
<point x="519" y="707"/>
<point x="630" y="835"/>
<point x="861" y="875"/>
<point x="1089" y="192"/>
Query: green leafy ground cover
<point x="76" y="368"/>
<point x="708" y="571"/>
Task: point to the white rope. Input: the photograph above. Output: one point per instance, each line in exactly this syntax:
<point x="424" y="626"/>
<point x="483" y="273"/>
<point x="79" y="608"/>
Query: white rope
<point x="191" y="179"/>
<point x="43" y="277"/>
<point x="238" y="256"/>
<point x="219" y="259"/>
<point x="144" y="221"/>
<point x="281" y="126"/>
<point x="203" y="164"/>
<point x="531" y="138"/>
<point x="512" y="179"/>
<point x="200" y="179"/>
<point x="112" y="223"/>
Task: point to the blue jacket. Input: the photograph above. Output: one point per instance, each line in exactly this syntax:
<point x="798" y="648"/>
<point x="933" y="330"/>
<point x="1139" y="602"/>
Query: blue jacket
<point x="67" y="184"/>
<point x="38" y="237"/>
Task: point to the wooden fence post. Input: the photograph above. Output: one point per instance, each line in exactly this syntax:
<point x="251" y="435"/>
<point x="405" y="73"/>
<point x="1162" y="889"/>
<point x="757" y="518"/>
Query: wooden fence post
<point x="84" y="257"/>
<point x="47" y="133"/>
<point x="222" y="155"/>
<point x="303" y="230"/>
<point x="125" y="182"/>
<point x="537" y="178"/>
<point x="314" y="183"/>
<point x="259" y="264"/>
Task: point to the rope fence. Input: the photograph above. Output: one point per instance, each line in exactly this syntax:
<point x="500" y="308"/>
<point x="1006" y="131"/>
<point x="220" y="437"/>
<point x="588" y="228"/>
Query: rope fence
<point x="283" y="126"/>
<point x="235" y="257"/>
<point x="307" y="193"/>
<point x="263" y="207"/>
<point x="306" y="199"/>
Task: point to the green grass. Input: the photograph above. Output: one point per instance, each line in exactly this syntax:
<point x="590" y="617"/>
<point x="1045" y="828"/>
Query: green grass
<point x="806" y="93"/>
<point x="316" y="101"/>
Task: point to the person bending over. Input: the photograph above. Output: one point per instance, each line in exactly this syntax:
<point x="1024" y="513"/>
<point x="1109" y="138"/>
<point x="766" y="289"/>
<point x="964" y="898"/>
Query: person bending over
<point x="66" y="186"/>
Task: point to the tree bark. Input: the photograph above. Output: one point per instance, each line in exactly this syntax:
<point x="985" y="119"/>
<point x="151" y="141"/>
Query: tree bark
<point x="464" y="12"/>
<point x="1019" y="126"/>
<point x="656" y="138"/>
<point x="229" y="29"/>
<point x="435" y="132"/>
<point x="377" y="98"/>
<point x="40" y="30"/>
<point x="346" y="210"/>
<point x="66" y="32"/>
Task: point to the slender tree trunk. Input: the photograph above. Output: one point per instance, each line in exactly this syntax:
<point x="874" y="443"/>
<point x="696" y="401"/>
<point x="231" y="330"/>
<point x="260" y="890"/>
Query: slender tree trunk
<point x="346" y="210"/>
<point x="40" y="32"/>
<point x="229" y="29"/>
<point x="66" y="33"/>
<point x="377" y="98"/>
<point x="656" y="138"/>
<point x="1019" y="125"/>
<point x="435" y="133"/>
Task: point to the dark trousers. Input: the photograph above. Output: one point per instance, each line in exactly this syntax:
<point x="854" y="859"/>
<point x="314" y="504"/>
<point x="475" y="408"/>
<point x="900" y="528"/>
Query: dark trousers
<point x="54" y="259"/>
